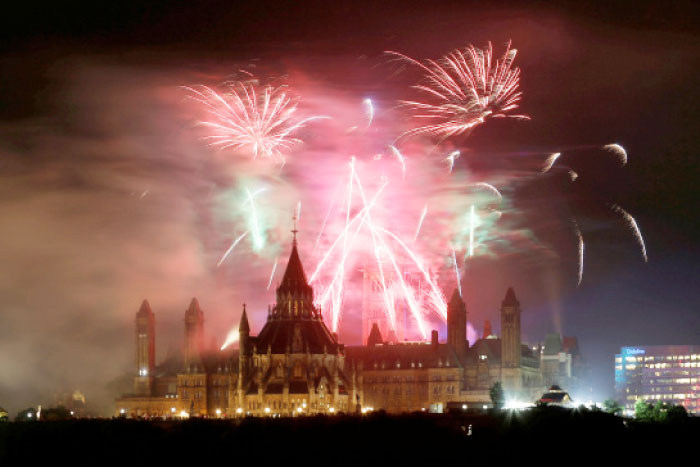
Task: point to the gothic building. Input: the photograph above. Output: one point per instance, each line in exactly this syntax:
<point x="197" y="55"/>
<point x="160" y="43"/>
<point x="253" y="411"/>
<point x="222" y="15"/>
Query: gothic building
<point x="296" y="366"/>
<point x="433" y="376"/>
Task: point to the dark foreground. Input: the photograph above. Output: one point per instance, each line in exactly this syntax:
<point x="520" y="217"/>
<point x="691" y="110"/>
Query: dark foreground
<point x="545" y="436"/>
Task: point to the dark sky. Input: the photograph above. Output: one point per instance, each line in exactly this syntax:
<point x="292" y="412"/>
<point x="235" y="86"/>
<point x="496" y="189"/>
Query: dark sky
<point x="77" y="84"/>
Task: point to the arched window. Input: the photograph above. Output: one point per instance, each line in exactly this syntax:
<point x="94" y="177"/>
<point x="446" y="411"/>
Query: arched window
<point x="297" y="370"/>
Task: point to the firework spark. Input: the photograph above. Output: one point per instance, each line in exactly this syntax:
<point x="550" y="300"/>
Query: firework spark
<point x="423" y="213"/>
<point x="451" y="158"/>
<point x="400" y="158"/>
<point x="272" y="275"/>
<point x="635" y="229"/>
<point x="581" y="248"/>
<point x="369" y="111"/>
<point x="230" y="249"/>
<point x="231" y="338"/>
<point x="257" y="120"/>
<point x="468" y="87"/>
<point x="618" y="150"/>
<point x="550" y="161"/>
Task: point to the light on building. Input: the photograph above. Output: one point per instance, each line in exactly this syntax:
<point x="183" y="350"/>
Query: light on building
<point x="71" y="412"/>
<point x="172" y="409"/>
<point x="464" y="406"/>
<point x="239" y="410"/>
<point x="486" y="407"/>
<point x="332" y="410"/>
<point x="299" y="409"/>
<point x="267" y="410"/>
<point x="30" y="415"/>
<point x="303" y="404"/>
<point x="122" y="411"/>
<point x="183" y="414"/>
<point x="218" y="411"/>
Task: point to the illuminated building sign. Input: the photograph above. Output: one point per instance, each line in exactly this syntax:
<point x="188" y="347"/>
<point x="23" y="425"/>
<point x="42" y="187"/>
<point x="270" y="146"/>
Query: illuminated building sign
<point x="634" y="351"/>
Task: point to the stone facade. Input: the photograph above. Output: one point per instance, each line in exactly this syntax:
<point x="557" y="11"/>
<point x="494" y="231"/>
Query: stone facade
<point x="296" y="366"/>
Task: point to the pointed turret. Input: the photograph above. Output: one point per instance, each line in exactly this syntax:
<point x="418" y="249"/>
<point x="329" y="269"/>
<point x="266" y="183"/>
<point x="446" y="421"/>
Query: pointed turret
<point x="194" y="335"/>
<point x="244" y="327"/>
<point x="457" y="325"/>
<point x="510" y="299"/>
<point x="375" y="337"/>
<point x="487" y="329"/>
<point x="294" y="281"/>
<point x="145" y="349"/>
<point x="145" y="309"/>
<point x="510" y="330"/>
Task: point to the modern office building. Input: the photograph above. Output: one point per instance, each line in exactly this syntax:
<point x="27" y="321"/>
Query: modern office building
<point x="668" y="373"/>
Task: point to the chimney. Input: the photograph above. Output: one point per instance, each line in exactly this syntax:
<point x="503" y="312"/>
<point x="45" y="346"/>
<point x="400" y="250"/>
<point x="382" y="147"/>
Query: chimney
<point x="434" y="338"/>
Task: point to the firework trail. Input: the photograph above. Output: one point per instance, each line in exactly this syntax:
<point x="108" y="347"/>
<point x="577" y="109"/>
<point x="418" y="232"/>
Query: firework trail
<point x="464" y="89"/>
<point x="400" y="158"/>
<point x="258" y="240"/>
<point x="550" y="161"/>
<point x="635" y="229"/>
<point x="231" y="338"/>
<point x="492" y="189"/>
<point x="423" y="213"/>
<point x="618" y="150"/>
<point x="257" y="120"/>
<point x="230" y="249"/>
<point x="451" y="158"/>
<point x="272" y="275"/>
<point x="581" y="247"/>
<point x="471" y="230"/>
<point x="369" y="111"/>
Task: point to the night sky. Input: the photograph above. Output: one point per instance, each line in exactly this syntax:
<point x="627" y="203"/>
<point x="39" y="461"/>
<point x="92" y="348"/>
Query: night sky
<point x="106" y="188"/>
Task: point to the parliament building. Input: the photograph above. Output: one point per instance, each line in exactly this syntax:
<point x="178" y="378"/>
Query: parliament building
<point x="295" y="366"/>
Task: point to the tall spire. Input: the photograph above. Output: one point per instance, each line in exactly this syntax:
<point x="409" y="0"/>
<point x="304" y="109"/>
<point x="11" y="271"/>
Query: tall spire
<point x="294" y="230"/>
<point x="510" y="299"/>
<point x="244" y="326"/>
<point x="294" y="279"/>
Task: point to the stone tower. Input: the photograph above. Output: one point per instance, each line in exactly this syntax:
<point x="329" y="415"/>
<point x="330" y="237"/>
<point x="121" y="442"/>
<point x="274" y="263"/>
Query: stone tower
<point x="145" y="349"/>
<point x="194" y="336"/>
<point x="510" y="331"/>
<point x="457" y="325"/>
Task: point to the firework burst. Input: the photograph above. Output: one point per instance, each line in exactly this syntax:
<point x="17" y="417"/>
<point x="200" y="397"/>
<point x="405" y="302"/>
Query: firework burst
<point x="463" y="90"/>
<point x="257" y="120"/>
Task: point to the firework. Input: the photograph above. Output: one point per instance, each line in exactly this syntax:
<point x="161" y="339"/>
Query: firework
<point x="369" y="111"/>
<point x="451" y="158"/>
<point x="581" y="247"/>
<point x="618" y="150"/>
<point x="550" y="161"/>
<point x="258" y="120"/>
<point x="230" y="249"/>
<point x="423" y="213"/>
<point x="231" y="338"/>
<point x="272" y="275"/>
<point x="400" y="158"/>
<point x="463" y="90"/>
<point x="635" y="229"/>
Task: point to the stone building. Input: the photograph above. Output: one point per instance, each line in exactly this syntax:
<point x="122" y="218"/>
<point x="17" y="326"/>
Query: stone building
<point x="294" y="366"/>
<point x="408" y="377"/>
